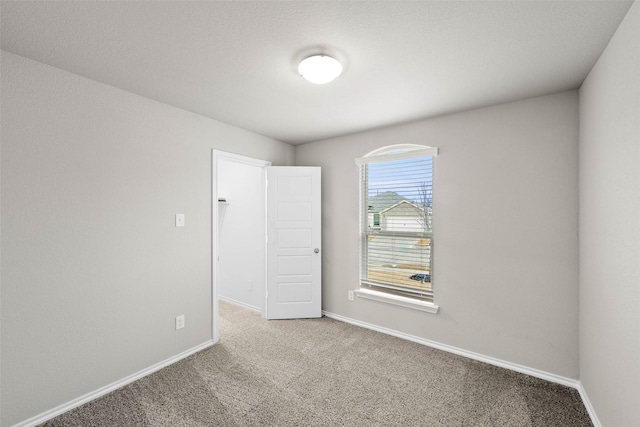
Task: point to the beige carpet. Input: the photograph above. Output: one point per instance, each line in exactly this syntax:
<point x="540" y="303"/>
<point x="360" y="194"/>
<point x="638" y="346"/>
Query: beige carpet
<point x="322" y="372"/>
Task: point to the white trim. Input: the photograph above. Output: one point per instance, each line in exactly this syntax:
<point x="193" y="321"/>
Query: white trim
<point x="237" y="158"/>
<point x="460" y="352"/>
<point x="395" y="147"/>
<point x="430" y="151"/>
<point x="406" y="302"/>
<point x="241" y="304"/>
<point x="587" y="403"/>
<point x="45" y="416"/>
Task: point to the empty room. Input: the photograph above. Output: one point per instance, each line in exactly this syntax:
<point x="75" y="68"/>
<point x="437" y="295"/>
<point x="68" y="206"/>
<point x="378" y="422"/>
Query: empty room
<point x="320" y="213"/>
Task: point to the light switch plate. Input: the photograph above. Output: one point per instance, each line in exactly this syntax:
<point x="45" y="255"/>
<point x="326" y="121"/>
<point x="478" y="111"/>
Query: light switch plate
<point x="179" y="220"/>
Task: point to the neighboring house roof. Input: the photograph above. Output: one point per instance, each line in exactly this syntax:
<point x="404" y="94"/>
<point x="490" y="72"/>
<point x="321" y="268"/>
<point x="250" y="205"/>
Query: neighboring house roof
<point x="413" y="205"/>
<point x="384" y="201"/>
<point x="388" y="200"/>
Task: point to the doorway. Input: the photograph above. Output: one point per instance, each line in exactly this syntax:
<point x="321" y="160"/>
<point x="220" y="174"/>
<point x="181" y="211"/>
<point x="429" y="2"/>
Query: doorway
<point x="266" y="234"/>
<point x="238" y="218"/>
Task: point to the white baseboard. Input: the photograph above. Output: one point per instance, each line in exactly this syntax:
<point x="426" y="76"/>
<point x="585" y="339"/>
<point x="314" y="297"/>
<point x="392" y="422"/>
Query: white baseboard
<point x="241" y="304"/>
<point x="38" y="419"/>
<point x="461" y="352"/>
<point x="45" y="416"/>
<point x="589" y="406"/>
<point x="569" y="382"/>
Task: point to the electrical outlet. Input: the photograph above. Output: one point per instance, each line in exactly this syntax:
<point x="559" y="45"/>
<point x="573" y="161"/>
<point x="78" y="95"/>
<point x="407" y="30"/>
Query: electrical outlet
<point x="179" y="220"/>
<point x="350" y="295"/>
<point x="179" y="322"/>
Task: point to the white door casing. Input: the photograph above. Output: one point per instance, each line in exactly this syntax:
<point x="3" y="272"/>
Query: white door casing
<point x="294" y="252"/>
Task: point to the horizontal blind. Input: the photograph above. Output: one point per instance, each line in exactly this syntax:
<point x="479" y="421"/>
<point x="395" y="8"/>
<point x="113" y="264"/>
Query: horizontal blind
<point x="397" y="226"/>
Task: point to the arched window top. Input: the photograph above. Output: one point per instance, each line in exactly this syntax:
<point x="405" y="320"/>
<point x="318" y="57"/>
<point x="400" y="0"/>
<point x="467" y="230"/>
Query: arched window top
<point x="395" y="149"/>
<point x="397" y="152"/>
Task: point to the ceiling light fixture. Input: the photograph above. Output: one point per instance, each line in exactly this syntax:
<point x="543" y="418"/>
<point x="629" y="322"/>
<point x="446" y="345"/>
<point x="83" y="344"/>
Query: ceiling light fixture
<point x="320" y="69"/>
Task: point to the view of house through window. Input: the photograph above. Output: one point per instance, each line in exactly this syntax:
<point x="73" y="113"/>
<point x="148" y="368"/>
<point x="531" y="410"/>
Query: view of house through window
<point x="397" y="226"/>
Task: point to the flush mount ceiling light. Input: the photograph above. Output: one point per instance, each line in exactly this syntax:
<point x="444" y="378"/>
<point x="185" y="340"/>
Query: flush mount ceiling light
<point x="320" y="69"/>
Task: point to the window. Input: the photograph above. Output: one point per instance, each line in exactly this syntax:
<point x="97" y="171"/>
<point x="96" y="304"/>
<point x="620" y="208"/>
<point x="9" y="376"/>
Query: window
<point x="396" y="203"/>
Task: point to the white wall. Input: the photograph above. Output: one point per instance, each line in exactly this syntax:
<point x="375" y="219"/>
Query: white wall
<point x="610" y="228"/>
<point x="505" y="224"/>
<point x="93" y="269"/>
<point x="241" y="224"/>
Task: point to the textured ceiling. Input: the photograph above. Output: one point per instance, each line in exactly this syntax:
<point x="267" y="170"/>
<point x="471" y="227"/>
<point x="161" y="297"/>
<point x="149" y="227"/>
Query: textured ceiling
<point x="236" y="61"/>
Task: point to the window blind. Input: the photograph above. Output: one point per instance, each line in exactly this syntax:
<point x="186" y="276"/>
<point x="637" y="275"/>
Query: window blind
<point x="397" y="223"/>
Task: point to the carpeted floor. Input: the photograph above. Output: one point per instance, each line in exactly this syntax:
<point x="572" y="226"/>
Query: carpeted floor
<point x="322" y="372"/>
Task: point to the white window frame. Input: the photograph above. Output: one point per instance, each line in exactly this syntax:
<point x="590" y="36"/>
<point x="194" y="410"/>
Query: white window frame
<point x="386" y="154"/>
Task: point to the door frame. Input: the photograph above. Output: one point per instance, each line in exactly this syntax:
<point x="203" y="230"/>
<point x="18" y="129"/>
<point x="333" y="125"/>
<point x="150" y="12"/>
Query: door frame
<point x="217" y="156"/>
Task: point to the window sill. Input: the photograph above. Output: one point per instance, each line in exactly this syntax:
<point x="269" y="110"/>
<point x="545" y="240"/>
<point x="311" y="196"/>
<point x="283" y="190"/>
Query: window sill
<point x="406" y="302"/>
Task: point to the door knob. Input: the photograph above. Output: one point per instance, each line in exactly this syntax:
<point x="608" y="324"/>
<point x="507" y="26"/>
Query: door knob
<point x="316" y="251"/>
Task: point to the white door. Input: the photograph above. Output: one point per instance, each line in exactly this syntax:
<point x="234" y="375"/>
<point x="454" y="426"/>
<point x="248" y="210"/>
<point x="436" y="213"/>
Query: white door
<point x="294" y="252"/>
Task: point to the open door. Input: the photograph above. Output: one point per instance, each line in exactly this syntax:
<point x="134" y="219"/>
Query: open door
<point x="294" y="257"/>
